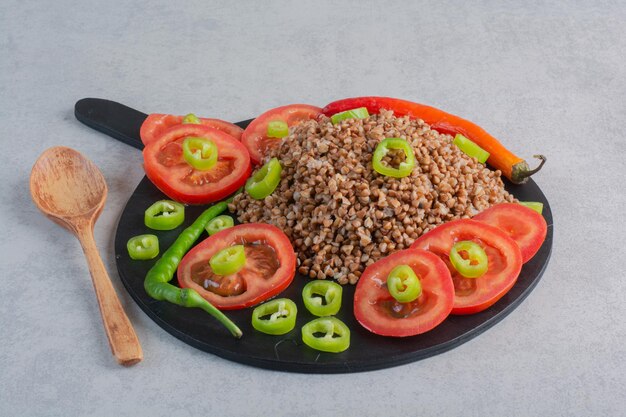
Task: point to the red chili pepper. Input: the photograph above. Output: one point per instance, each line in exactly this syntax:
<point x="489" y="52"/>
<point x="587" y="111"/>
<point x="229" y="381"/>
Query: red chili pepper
<point x="513" y="167"/>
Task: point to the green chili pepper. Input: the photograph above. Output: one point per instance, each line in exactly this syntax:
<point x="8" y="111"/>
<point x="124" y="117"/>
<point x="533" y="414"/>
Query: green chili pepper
<point x="265" y="180"/>
<point x="537" y="206"/>
<point x="164" y="215"/>
<point x="327" y="334"/>
<point x="469" y="259"/>
<point x="157" y="280"/>
<point x="404" y="169"/>
<point x="277" y="129"/>
<point x="229" y="260"/>
<point x="275" y="317"/>
<point x="191" y="119"/>
<point x="360" y="113"/>
<point x="143" y="247"/>
<point x="200" y="153"/>
<point x="403" y="284"/>
<point x="322" y="298"/>
<point x="219" y="223"/>
<point x="470" y="148"/>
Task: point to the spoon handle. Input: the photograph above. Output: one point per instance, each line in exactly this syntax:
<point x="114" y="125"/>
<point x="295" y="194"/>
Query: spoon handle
<point x="122" y="337"/>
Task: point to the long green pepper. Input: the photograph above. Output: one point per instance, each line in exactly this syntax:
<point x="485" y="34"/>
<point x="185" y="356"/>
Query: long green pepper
<point x="157" y="280"/>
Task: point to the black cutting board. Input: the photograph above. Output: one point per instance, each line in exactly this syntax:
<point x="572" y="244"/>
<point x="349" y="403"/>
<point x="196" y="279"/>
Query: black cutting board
<point x="286" y="353"/>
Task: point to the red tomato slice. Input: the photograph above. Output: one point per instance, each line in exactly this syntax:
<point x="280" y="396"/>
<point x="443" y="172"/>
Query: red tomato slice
<point x="380" y="313"/>
<point x="269" y="269"/>
<point x="156" y="124"/>
<point x="505" y="262"/>
<point x="525" y="226"/>
<point x="167" y="169"/>
<point x="255" y="136"/>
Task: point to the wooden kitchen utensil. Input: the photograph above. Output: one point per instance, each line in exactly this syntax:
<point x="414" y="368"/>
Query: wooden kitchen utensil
<point x="70" y="190"/>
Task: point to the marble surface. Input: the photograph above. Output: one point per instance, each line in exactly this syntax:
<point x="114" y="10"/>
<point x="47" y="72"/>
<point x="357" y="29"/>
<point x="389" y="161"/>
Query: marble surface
<point x="545" y="77"/>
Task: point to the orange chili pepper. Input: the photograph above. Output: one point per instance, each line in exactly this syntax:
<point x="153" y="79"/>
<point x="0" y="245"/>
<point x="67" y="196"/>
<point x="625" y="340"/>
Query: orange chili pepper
<point x="512" y="166"/>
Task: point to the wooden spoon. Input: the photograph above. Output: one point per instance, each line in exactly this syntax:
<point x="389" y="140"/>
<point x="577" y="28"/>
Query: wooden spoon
<point x="70" y="190"/>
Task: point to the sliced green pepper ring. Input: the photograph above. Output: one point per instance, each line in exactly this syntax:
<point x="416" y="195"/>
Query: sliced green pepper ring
<point x="327" y="334"/>
<point x="164" y="215"/>
<point x="229" y="260"/>
<point x="405" y="167"/>
<point x="265" y="180"/>
<point x="535" y="205"/>
<point x="469" y="259"/>
<point x="322" y="298"/>
<point x="360" y="113"/>
<point x="191" y="119"/>
<point x="470" y="148"/>
<point x="200" y="153"/>
<point x="219" y="223"/>
<point x="277" y="129"/>
<point x="275" y="317"/>
<point x="143" y="247"/>
<point x="403" y="284"/>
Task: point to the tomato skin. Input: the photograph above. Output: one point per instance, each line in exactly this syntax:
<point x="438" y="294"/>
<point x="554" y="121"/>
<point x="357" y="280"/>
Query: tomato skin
<point x="434" y="304"/>
<point x="258" y="289"/>
<point x="524" y="225"/>
<point x="255" y="136"/>
<point x="473" y="295"/>
<point x="156" y="124"/>
<point x="233" y="160"/>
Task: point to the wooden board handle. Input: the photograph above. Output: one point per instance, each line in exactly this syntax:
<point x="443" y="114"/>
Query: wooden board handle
<point x="123" y="340"/>
<point x="114" y="119"/>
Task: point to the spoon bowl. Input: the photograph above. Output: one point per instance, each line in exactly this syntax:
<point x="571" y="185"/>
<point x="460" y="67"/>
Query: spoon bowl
<point x="61" y="173"/>
<point x="70" y="190"/>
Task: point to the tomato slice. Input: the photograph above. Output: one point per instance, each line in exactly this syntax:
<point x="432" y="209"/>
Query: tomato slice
<point x="255" y="136"/>
<point x="380" y="313"/>
<point x="269" y="269"/>
<point x="166" y="167"/>
<point x="505" y="262"/>
<point x="524" y="225"/>
<point x="156" y="124"/>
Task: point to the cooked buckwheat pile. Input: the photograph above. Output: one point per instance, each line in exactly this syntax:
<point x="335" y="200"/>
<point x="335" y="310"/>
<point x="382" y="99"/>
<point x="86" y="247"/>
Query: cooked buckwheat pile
<point x="342" y="216"/>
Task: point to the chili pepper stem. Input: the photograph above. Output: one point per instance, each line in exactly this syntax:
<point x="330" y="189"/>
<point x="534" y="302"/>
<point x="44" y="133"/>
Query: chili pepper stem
<point x="190" y="298"/>
<point x="521" y="171"/>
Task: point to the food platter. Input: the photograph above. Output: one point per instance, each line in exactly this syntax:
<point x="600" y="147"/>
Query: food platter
<point x="287" y="353"/>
